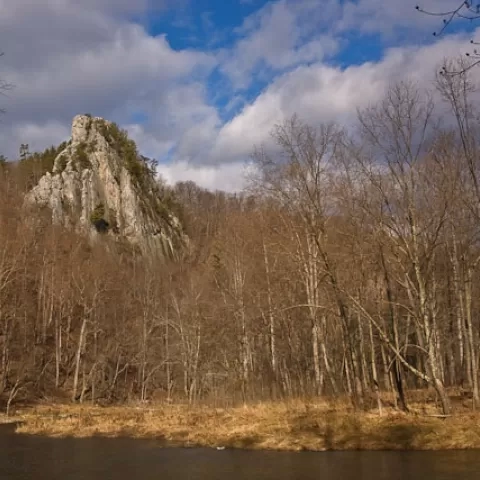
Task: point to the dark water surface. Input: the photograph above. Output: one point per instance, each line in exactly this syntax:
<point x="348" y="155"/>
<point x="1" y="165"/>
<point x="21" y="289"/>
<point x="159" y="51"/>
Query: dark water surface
<point x="40" y="458"/>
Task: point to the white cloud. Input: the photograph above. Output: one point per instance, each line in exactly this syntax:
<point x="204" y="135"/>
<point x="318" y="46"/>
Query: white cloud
<point x="37" y="136"/>
<point x="85" y="61"/>
<point x="89" y="56"/>
<point x="16" y="7"/>
<point x="277" y="37"/>
<point x="229" y="177"/>
<point x="150" y="145"/>
<point x="180" y="123"/>
<point x="321" y="93"/>
<point x="129" y="65"/>
<point x="288" y="33"/>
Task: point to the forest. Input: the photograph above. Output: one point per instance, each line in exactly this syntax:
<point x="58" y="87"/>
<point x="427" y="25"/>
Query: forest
<point x="348" y="268"/>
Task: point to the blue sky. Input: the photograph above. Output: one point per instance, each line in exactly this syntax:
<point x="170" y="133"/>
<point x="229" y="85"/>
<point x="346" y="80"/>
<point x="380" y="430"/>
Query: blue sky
<point x="199" y="83"/>
<point x="202" y="24"/>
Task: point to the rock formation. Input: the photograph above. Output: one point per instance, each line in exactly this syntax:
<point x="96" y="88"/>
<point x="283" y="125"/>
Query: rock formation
<point x="100" y="184"/>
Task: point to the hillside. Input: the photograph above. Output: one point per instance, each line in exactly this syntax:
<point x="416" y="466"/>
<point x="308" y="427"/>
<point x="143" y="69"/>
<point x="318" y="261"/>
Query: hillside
<point x="100" y="184"/>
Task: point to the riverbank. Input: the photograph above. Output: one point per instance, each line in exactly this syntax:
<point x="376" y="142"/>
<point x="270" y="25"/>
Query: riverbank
<point x="293" y="426"/>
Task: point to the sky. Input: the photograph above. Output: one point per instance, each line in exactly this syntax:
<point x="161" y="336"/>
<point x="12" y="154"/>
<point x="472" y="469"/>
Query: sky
<point x="199" y="83"/>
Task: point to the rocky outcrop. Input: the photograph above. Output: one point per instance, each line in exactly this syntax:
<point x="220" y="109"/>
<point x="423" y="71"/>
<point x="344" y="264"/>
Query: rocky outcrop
<point x="101" y="185"/>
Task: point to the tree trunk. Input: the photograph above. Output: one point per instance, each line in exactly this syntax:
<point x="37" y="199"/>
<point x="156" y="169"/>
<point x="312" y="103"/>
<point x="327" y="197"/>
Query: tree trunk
<point x="78" y="356"/>
<point x="471" y="342"/>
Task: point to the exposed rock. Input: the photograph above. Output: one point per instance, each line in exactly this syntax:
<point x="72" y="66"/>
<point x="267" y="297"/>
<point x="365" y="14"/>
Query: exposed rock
<point x="100" y="184"/>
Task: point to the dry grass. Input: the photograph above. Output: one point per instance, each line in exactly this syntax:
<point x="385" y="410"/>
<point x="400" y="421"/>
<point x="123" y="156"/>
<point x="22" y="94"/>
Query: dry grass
<point x="280" y="426"/>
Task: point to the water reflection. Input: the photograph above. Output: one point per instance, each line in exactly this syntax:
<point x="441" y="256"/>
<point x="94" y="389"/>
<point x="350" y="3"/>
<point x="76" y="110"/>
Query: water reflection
<point x="28" y="457"/>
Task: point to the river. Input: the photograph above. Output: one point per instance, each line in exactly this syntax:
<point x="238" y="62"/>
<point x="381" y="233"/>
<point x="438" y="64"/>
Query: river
<point x="25" y="457"/>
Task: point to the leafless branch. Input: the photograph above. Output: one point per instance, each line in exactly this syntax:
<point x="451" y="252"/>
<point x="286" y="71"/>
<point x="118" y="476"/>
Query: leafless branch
<point x="464" y="11"/>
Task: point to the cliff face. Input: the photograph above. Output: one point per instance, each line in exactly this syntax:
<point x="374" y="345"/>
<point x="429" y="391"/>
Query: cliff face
<point x="101" y="185"/>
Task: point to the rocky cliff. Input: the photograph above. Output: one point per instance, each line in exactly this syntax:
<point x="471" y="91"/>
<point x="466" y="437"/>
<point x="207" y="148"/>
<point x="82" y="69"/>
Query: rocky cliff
<point x="101" y="185"/>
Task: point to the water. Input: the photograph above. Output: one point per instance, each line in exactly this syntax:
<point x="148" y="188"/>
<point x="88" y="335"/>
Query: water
<point x="40" y="458"/>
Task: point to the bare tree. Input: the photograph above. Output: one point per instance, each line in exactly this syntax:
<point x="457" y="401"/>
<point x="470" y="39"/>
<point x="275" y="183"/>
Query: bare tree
<point x="465" y="10"/>
<point x="396" y="136"/>
<point x="298" y="179"/>
<point x="457" y="91"/>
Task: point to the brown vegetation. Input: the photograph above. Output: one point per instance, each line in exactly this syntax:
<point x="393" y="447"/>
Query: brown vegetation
<point x="349" y="270"/>
<point x="292" y="425"/>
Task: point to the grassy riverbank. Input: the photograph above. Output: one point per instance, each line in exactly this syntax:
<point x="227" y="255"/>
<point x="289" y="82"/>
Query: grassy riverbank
<point x="286" y="426"/>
